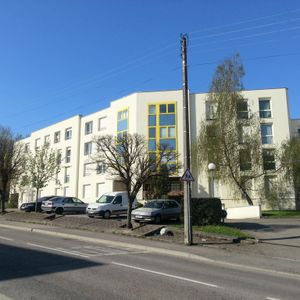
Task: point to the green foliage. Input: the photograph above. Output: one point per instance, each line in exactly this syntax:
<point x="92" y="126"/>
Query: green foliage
<point x="206" y="211"/>
<point x="41" y="165"/>
<point x="281" y="213"/>
<point x="230" y="137"/>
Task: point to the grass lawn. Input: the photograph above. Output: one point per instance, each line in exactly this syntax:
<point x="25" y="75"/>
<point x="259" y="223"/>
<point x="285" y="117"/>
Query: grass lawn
<point x="218" y="230"/>
<point x="281" y="213"/>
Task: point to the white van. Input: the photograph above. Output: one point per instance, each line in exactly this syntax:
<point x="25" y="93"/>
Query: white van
<point x="114" y="203"/>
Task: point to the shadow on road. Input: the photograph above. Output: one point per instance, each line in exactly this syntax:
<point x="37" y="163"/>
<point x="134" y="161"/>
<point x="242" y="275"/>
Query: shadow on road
<point x="262" y="227"/>
<point x="17" y="262"/>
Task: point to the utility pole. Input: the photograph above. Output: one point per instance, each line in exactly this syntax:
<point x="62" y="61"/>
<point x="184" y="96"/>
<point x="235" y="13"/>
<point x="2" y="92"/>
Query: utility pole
<point x="188" y="235"/>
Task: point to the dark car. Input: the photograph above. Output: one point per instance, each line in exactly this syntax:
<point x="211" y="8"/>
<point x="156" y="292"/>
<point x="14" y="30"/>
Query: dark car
<point x="30" y="206"/>
<point x="157" y="210"/>
<point x="62" y="204"/>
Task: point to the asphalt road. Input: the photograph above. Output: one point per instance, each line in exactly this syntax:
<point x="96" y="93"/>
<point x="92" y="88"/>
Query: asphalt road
<point x="37" y="266"/>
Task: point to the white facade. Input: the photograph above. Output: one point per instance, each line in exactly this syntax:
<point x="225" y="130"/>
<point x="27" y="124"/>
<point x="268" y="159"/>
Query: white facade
<point x="80" y="176"/>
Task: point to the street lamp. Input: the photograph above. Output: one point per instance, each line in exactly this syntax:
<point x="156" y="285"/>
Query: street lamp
<point x="211" y="169"/>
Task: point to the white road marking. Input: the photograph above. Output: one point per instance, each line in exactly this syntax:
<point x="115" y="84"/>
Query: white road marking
<point x="270" y="298"/>
<point x="5" y="238"/>
<point x="59" y="250"/>
<point x="165" y="274"/>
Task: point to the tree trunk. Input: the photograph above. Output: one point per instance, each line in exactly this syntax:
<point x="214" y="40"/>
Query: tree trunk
<point x="3" y="197"/>
<point x="129" y="223"/>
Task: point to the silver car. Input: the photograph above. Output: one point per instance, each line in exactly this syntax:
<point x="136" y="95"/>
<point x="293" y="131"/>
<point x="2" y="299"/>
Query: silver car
<point x="61" y="205"/>
<point x="157" y="210"/>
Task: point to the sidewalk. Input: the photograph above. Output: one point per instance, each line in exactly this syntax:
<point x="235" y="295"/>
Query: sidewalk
<point x="250" y="257"/>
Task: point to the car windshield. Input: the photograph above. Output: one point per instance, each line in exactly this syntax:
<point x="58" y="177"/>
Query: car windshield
<point x="154" y="204"/>
<point x="105" y="199"/>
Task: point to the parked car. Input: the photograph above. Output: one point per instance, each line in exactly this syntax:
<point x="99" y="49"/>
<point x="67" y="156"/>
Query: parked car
<point x="157" y="210"/>
<point x="115" y="203"/>
<point x="30" y="206"/>
<point x="61" y="205"/>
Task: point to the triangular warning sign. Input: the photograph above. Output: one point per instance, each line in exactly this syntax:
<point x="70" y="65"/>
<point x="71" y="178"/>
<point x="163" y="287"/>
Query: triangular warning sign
<point x="187" y="176"/>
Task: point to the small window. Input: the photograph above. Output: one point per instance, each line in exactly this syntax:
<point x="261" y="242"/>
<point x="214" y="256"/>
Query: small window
<point x="68" y="133"/>
<point x="269" y="159"/>
<point x="87" y="169"/>
<point x="171" y="108"/>
<point x="210" y="111"/>
<point x="163" y="132"/>
<point x="245" y="160"/>
<point x="27" y="147"/>
<point x="37" y="143"/>
<point x="163" y="108"/>
<point x="68" y="155"/>
<point x="266" y="133"/>
<point x="67" y="175"/>
<point x="152" y="133"/>
<point x="152" y="110"/>
<point x="57" y="137"/>
<point x="118" y="200"/>
<point x="242" y="109"/>
<point x="101" y="168"/>
<point x="88" y="128"/>
<point x="152" y="120"/>
<point x="88" y="148"/>
<point x="265" y="108"/>
<point x="102" y="123"/>
<point x="47" y="139"/>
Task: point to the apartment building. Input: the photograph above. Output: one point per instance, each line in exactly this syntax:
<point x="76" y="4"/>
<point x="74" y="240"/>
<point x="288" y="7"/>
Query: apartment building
<point x="157" y="115"/>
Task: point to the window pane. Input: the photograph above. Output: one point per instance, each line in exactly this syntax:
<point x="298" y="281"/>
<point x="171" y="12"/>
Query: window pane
<point x="264" y="104"/>
<point x="123" y="125"/>
<point x="265" y="114"/>
<point x="171" y="132"/>
<point x="163" y="108"/>
<point x="151" y="120"/>
<point x="152" y="133"/>
<point x="163" y="132"/>
<point x="167" y="120"/>
<point x="151" y="145"/>
<point x="171" y="108"/>
<point x="152" y="109"/>
<point x="170" y="144"/>
<point x="266" y="130"/>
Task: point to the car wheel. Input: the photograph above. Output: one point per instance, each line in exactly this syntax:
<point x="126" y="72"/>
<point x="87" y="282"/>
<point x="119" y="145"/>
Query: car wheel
<point x="90" y="216"/>
<point x="106" y="214"/>
<point x="157" y="219"/>
<point x="59" y="211"/>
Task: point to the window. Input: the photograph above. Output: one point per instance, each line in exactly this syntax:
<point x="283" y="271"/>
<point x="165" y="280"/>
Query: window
<point x="68" y="154"/>
<point x="27" y="147"/>
<point x="66" y="191"/>
<point x="88" y="128"/>
<point x="57" y="137"/>
<point x="101" y="168"/>
<point x="264" y="108"/>
<point x="37" y="143"/>
<point x="244" y="134"/>
<point x="162" y="131"/>
<point x="59" y="156"/>
<point x="298" y="132"/>
<point x="100" y="189"/>
<point x="102" y="123"/>
<point x="86" y="191"/>
<point x="67" y="174"/>
<point x="47" y="139"/>
<point x="87" y="169"/>
<point x="68" y="133"/>
<point x="122" y="121"/>
<point x="245" y="160"/>
<point x="210" y="111"/>
<point x="270" y="184"/>
<point x="242" y="109"/>
<point x="88" y="148"/>
<point x="266" y="133"/>
<point x="269" y="159"/>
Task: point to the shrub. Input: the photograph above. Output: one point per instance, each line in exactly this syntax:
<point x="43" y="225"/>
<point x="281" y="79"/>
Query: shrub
<point x="206" y="211"/>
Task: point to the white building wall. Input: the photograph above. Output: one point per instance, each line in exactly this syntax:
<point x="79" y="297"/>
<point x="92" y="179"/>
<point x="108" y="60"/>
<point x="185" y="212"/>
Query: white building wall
<point x="90" y="186"/>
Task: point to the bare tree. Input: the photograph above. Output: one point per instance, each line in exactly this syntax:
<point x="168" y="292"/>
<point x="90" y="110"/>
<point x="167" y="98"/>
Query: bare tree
<point x="11" y="162"/>
<point x="127" y="159"/>
<point x="41" y="167"/>
<point x="230" y="137"/>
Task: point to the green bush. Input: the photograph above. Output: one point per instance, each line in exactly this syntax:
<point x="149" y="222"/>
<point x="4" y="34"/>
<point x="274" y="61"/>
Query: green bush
<point x="206" y="211"/>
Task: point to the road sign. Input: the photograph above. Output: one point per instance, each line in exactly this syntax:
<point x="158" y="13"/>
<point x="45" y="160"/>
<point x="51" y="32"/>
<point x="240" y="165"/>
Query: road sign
<point x="187" y="176"/>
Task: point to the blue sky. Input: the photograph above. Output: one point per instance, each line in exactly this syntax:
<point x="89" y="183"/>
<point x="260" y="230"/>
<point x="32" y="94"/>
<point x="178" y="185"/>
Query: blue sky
<point x="59" y="58"/>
